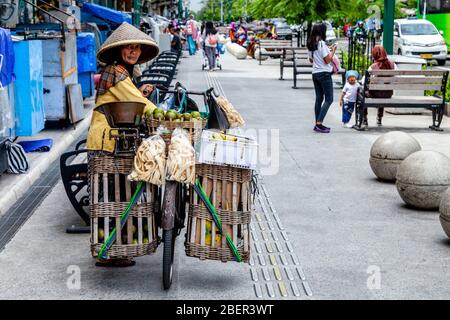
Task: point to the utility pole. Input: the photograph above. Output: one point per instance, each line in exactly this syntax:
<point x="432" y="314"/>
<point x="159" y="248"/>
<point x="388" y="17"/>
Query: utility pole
<point x="388" y="26"/>
<point x="136" y="13"/>
<point x="221" y="11"/>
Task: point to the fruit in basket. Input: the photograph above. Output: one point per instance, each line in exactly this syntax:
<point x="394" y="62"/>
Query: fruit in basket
<point x="171" y="115"/>
<point x="224" y="137"/>
<point x="158" y="114"/>
<point x="177" y="120"/>
<point x="186" y="116"/>
<point x="196" y="115"/>
<point x="101" y="234"/>
<point x="135" y="241"/>
<point x="148" y="113"/>
<point x="145" y="241"/>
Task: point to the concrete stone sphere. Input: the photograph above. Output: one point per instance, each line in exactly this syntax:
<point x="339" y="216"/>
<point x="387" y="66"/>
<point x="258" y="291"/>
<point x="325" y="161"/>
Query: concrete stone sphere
<point x="422" y="178"/>
<point x="264" y="51"/>
<point x="444" y="210"/>
<point x="388" y="151"/>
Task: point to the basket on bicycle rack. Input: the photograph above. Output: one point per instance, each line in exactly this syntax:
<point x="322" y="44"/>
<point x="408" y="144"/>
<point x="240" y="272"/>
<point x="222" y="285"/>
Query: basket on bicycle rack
<point x="194" y="128"/>
<point x="110" y="192"/>
<point x="229" y="189"/>
<point x="185" y="103"/>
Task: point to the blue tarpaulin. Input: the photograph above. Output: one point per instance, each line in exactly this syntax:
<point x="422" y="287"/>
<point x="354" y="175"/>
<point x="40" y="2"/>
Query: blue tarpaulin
<point x="6" y="58"/>
<point x="86" y="52"/>
<point x="105" y="13"/>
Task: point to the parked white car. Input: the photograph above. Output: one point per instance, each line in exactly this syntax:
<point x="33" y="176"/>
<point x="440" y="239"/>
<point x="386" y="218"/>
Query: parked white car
<point x="419" y="38"/>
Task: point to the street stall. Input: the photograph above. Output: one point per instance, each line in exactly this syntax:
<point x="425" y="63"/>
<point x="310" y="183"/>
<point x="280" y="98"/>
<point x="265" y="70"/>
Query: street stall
<point x="159" y="159"/>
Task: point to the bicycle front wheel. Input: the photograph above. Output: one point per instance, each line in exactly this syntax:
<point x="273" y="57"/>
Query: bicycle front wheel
<point x="168" y="254"/>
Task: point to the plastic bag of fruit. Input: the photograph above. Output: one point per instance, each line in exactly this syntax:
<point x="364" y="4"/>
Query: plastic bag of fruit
<point x="150" y="161"/>
<point x="181" y="158"/>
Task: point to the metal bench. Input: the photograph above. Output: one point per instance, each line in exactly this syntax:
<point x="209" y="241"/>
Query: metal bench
<point x="288" y="57"/>
<point x="431" y="80"/>
<point x="274" y="48"/>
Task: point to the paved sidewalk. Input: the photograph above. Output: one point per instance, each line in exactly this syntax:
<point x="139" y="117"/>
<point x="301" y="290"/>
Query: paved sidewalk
<point x="339" y="220"/>
<point x="13" y="186"/>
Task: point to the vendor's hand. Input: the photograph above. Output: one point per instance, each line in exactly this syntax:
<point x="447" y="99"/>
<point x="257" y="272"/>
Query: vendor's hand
<point x="146" y="89"/>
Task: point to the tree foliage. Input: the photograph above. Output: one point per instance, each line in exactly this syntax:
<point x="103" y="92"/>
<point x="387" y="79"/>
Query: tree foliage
<point x="296" y="11"/>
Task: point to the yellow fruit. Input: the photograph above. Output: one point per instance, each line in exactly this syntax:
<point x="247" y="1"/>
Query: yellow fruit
<point x="218" y="240"/>
<point x="135" y="241"/>
<point x="145" y="241"/>
<point x="208" y="239"/>
<point x="101" y="234"/>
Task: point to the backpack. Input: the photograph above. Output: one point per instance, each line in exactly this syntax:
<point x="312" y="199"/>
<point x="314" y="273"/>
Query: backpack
<point x="190" y="29"/>
<point x="212" y="39"/>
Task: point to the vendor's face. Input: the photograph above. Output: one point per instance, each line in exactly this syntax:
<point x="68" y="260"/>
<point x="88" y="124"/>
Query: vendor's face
<point x="131" y="53"/>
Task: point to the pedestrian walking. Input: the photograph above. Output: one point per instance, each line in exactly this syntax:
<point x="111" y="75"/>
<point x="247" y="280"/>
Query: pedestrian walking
<point x="321" y="57"/>
<point x="210" y="41"/>
<point x="191" y="35"/>
<point x="348" y="97"/>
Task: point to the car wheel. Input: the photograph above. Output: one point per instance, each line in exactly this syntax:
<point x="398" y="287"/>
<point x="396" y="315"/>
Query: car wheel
<point x="442" y="62"/>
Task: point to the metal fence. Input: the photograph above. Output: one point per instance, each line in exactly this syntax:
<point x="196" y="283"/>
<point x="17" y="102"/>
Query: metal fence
<point x="359" y="55"/>
<point x="301" y="37"/>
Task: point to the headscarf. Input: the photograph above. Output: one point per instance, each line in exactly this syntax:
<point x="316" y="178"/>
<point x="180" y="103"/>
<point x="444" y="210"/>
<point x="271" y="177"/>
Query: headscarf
<point x="379" y="55"/>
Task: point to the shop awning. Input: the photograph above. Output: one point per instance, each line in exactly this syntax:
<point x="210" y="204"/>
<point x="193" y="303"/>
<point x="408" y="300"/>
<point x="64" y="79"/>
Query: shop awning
<point x="105" y="13"/>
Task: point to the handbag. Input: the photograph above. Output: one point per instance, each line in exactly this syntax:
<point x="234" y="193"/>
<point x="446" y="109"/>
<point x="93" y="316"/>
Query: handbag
<point x="17" y="160"/>
<point x="217" y="117"/>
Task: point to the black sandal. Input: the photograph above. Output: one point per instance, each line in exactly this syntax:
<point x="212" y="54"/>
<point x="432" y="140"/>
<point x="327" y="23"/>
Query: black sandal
<point x="116" y="263"/>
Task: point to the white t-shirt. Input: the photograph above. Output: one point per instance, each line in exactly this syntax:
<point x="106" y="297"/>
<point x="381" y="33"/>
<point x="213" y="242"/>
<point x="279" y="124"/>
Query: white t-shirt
<point x="317" y="56"/>
<point x="350" y="92"/>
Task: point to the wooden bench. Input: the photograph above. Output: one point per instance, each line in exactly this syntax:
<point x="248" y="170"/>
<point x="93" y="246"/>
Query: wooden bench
<point x="303" y="65"/>
<point x="274" y="48"/>
<point x="433" y="80"/>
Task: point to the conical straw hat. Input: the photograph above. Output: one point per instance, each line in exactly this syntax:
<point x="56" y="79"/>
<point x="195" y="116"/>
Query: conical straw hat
<point x="124" y="35"/>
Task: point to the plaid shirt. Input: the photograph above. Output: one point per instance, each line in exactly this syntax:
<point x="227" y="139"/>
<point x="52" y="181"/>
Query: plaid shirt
<point x="111" y="75"/>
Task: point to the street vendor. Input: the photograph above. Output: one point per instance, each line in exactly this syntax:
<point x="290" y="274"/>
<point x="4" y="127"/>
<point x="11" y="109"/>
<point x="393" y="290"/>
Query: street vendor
<point x="122" y="51"/>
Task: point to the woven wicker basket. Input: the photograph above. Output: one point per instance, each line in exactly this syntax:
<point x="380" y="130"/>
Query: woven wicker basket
<point x="194" y="128"/>
<point x="230" y="193"/>
<point x="110" y="192"/>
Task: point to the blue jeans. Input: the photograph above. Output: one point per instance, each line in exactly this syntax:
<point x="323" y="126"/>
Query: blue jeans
<point x="347" y="111"/>
<point x="323" y="84"/>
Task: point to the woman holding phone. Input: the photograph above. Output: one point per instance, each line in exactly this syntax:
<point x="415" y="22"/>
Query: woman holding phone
<point x="321" y="57"/>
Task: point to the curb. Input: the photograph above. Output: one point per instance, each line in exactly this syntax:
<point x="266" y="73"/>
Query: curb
<point x="23" y="182"/>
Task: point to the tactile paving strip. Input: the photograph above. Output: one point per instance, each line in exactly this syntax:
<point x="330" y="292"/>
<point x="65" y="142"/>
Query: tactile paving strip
<point x="275" y="269"/>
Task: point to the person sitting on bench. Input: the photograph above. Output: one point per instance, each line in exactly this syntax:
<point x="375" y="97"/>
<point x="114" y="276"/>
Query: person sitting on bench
<point x="381" y="62"/>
